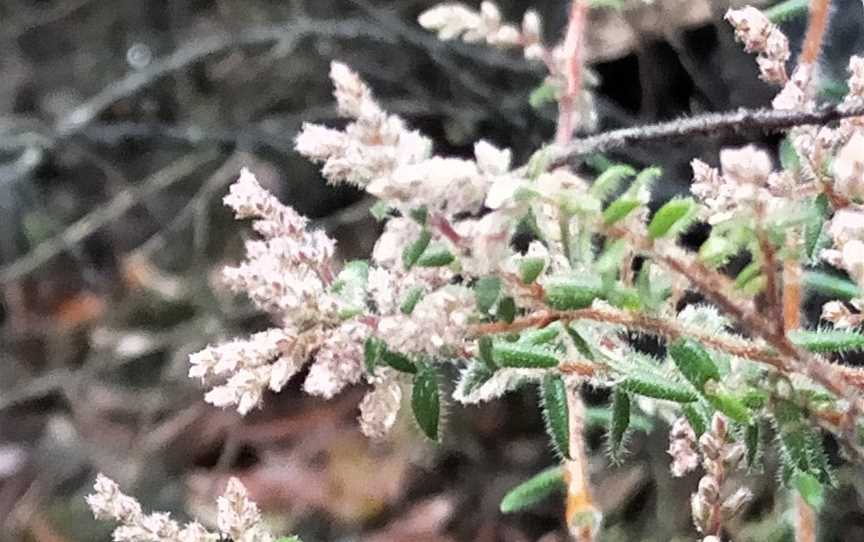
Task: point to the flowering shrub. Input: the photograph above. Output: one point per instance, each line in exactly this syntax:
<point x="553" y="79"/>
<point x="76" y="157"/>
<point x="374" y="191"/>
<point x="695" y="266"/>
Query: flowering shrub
<point x="450" y="285"/>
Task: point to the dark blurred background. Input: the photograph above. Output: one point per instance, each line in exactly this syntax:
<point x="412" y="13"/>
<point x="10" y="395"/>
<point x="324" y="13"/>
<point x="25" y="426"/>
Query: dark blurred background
<point x="121" y="124"/>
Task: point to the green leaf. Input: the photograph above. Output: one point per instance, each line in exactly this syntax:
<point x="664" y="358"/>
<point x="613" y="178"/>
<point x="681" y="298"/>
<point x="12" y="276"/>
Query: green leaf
<point x="672" y="218"/>
<point x="810" y="489"/>
<point x="570" y="293"/>
<point x="398" y="361"/>
<point x="717" y="251"/>
<point x="350" y="288"/>
<point x="380" y="210"/>
<point x="484" y="347"/>
<point x="800" y="446"/>
<point x="729" y="405"/>
<point x="789" y="159"/>
<point x="518" y="355"/>
<point x="696" y="417"/>
<point x="474" y="376"/>
<point x="289" y="539"/>
<point x="658" y="388"/>
<point x="815" y="237"/>
<point x="619" y="209"/>
<point x="530" y="269"/>
<point x="372" y="350"/>
<point x="624" y="297"/>
<point x="486" y="292"/>
<point x="543" y="94"/>
<point x="694" y="362"/>
<point x="619" y="423"/>
<point x="581" y="344"/>
<point x="413" y="251"/>
<point x="610" y="180"/>
<point x="419" y="215"/>
<point x="787" y="9"/>
<point x="540" y="336"/>
<point x="538" y="163"/>
<point x="556" y="413"/>
<point x="827" y="340"/>
<point x="830" y="285"/>
<point x="435" y="256"/>
<point x="414" y="295"/>
<point x="533" y="490"/>
<point x="610" y="259"/>
<point x="426" y="400"/>
<point x="753" y="441"/>
<point x="506" y="310"/>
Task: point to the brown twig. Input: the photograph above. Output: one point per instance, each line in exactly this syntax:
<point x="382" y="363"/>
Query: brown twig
<point x="817" y="24"/>
<point x="573" y="49"/>
<point x="581" y="514"/>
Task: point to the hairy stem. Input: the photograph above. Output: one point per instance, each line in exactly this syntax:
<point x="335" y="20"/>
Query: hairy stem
<point x="711" y="124"/>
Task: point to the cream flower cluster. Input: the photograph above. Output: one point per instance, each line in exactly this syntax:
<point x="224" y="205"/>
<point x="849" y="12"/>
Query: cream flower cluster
<point x="746" y="177"/>
<point x="238" y="518"/>
<point x="761" y="36"/>
<point x="454" y="20"/>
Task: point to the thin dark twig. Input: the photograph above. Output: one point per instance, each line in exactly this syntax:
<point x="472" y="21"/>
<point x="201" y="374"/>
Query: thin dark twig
<point x="765" y="120"/>
<point x="117" y="207"/>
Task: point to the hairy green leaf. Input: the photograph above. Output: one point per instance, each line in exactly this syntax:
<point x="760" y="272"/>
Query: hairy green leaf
<point x="372" y="350"/>
<point x="426" y="400"/>
<point x="694" y="362"/>
<point x="729" y="405"/>
<point x="414" y="295"/>
<point x="830" y="285"/>
<point x="533" y="490"/>
<point x="506" y="309"/>
<point x="609" y="182"/>
<point x="486" y="292"/>
<point x="619" y="423"/>
<point x="435" y="256"/>
<point x="474" y="376"/>
<point x="827" y="340"/>
<point x="696" y="417"/>
<point x="656" y="387"/>
<point x="484" y="348"/>
<point x="508" y="354"/>
<point x="570" y="293"/>
<point x="530" y="269"/>
<point x="556" y="413"/>
<point x="672" y="218"/>
<point x="398" y="361"/>
<point x="541" y="336"/>
<point x="619" y="209"/>
<point x="413" y="251"/>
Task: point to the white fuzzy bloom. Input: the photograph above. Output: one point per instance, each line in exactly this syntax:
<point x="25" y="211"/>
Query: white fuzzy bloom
<point x="746" y="165"/>
<point x="848" y="168"/>
<point x="797" y="93"/>
<point x="339" y="361"/>
<point x="237" y="518"/>
<point x="449" y="20"/>
<point x="285" y="272"/>
<point x="380" y="406"/>
<point x="760" y="35"/>
<point x="438" y="324"/>
<point x="447" y="185"/>
<point x="856" y="78"/>
<point x="369" y="148"/>
<point x="456" y="20"/>
<point x="248" y="367"/>
<point x="490" y="159"/>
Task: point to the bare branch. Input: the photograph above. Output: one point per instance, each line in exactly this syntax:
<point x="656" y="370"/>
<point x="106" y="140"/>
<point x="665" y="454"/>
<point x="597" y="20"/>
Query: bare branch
<point x="711" y="124"/>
